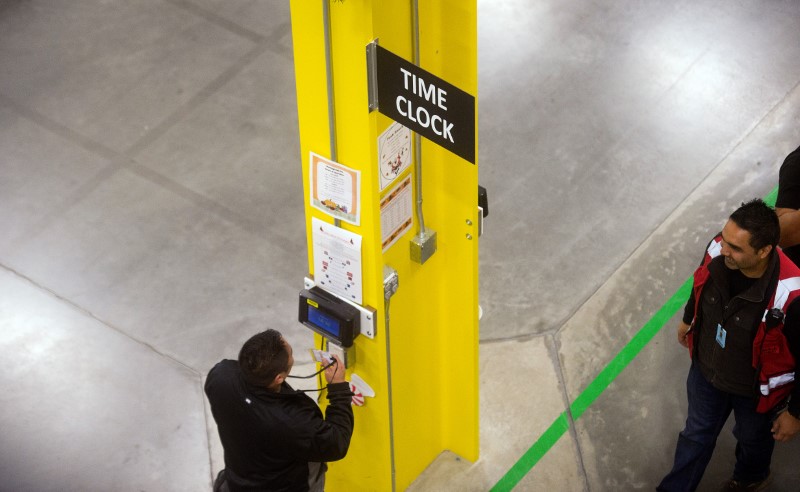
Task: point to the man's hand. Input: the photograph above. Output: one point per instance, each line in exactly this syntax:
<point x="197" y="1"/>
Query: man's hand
<point x="335" y="372"/>
<point x="683" y="332"/>
<point x="785" y="427"/>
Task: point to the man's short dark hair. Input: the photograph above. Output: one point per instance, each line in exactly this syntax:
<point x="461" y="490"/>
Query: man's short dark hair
<point x="760" y="220"/>
<point x="263" y="357"/>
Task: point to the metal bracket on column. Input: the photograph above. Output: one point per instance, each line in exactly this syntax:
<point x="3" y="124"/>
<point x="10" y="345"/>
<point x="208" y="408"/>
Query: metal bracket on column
<point x="372" y="75"/>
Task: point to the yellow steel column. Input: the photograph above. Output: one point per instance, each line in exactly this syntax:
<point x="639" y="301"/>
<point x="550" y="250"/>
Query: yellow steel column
<point x="425" y="373"/>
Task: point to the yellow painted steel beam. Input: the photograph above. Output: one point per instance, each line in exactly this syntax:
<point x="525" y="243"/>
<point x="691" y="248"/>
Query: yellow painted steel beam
<point x="425" y="373"/>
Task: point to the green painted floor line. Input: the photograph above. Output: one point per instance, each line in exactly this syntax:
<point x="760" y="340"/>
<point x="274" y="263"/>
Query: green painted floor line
<point x="534" y="454"/>
<point x="631" y="350"/>
<point x="595" y="389"/>
<point x="561" y="425"/>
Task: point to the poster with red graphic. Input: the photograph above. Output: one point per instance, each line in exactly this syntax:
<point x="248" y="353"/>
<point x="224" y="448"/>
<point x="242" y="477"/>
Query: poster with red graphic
<point x="337" y="260"/>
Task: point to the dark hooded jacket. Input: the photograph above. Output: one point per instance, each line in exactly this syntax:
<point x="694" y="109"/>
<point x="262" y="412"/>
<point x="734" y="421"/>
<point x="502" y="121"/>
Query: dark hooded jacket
<point x="270" y="437"/>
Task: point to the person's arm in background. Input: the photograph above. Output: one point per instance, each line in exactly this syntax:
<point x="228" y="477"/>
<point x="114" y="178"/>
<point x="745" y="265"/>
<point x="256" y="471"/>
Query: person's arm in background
<point x="786" y="425"/>
<point x="790" y="226"/>
<point x="787" y="205"/>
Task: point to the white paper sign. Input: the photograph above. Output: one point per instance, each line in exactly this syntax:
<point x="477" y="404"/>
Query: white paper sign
<point x="396" y="213"/>
<point x="394" y="153"/>
<point x="337" y="260"/>
<point x="335" y="189"/>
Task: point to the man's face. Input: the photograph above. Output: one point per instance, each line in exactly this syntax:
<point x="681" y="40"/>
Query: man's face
<point x="738" y="253"/>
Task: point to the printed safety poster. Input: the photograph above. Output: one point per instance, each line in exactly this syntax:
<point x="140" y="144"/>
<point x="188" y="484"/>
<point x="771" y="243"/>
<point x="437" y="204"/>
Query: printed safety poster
<point x="394" y="153"/>
<point x="396" y="213"/>
<point x="335" y="189"/>
<point x="337" y="260"/>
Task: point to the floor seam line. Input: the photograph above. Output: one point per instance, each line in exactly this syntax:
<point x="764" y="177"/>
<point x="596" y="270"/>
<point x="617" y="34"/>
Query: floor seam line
<point x="72" y="199"/>
<point x="219" y="21"/>
<point x="162" y="128"/>
<point x="675" y="209"/>
<point x="59" y="129"/>
<point x="95" y="317"/>
<point x="126" y="159"/>
<point x="571" y="428"/>
<point x="560" y="324"/>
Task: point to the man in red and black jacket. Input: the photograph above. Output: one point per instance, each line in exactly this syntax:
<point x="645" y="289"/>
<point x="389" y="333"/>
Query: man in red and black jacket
<point x="742" y="328"/>
<point x="274" y="437"/>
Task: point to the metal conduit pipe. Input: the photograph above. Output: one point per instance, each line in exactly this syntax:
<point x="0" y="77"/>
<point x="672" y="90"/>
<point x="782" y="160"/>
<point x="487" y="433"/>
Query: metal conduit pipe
<point x="326" y="21"/>
<point x="417" y="142"/>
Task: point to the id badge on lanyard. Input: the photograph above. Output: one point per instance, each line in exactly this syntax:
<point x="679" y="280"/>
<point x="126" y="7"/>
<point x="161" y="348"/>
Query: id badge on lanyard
<point x="722" y="334"/>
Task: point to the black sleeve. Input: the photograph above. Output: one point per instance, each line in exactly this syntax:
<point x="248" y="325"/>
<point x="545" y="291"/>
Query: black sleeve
<point x="688" y="311"/>
<point x="339" y="415"/>
<point x="325" y="439"/>
<point x="791" y="330"/>
<point x="789" y="182"/>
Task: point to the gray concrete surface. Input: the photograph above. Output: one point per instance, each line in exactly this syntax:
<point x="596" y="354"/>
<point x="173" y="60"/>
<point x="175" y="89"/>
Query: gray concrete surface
<point x="152" y="218"/>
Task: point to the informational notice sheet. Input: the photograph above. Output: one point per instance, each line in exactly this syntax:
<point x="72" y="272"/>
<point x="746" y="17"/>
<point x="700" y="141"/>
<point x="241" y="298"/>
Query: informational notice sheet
<point x="337" y="260"/>
<point x="396" y="213"/>
<point x="335" y="189"/>
<point x="394" y="153"/>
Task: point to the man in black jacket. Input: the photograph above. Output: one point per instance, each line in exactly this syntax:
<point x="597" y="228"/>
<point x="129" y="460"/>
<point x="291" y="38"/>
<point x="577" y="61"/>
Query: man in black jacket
<point x="274" y="437"/>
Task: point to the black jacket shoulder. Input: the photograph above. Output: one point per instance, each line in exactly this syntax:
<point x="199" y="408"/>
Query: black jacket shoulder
<point x="269" y="437"/>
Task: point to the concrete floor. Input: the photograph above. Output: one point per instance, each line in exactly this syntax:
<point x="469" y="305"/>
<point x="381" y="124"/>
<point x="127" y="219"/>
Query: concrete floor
<point x="151" y="209"/>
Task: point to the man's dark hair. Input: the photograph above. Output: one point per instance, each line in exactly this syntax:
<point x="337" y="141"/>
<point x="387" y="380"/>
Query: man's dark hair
<point x="263" y="357"/>
<point x="757" y="218"/>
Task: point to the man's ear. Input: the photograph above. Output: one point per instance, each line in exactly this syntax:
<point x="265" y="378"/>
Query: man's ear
<point x="279" y="379"/>
<point x="765" y="251"/>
